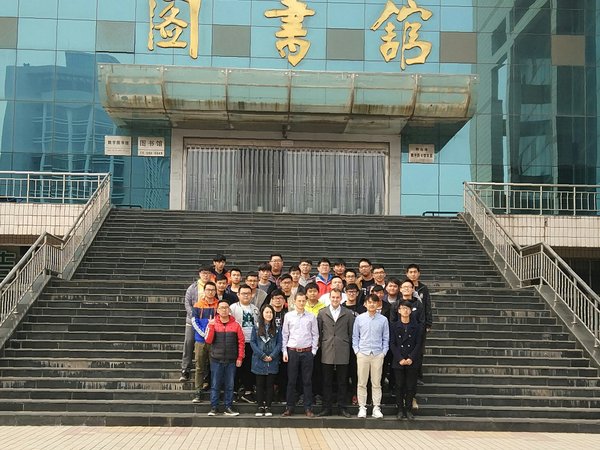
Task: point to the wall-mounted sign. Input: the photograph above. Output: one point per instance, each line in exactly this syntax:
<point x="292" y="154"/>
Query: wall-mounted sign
<point x="151" y="146"/>
<point x="117" y="145"/>
<point x="420" y="153"/>
<point x="175" y="24"/>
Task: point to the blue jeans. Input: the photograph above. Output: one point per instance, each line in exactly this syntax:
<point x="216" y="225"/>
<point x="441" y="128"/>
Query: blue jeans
<point x="221" y="374"/>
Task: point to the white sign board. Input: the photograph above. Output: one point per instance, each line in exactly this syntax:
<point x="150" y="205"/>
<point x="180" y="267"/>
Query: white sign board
<point x="117" y="145"/>
<point x="420" y="153"/>
<point x="151" y="146"/>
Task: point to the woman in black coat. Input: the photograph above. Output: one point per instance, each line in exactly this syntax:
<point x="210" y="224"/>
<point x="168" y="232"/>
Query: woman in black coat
<point x="405" y="342"/>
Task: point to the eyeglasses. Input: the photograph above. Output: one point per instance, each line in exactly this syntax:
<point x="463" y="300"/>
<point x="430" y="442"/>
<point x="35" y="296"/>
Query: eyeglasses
<point x="406" y="287"/>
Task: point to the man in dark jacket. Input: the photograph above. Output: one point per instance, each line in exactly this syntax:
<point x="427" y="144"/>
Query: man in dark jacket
<point x="335" y="331"/>
<point x="405" y="345"/>
<point x="226" y="353"/>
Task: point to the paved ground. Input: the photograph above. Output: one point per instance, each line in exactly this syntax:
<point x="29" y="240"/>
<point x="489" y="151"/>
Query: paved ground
<point x="109" y="438"/>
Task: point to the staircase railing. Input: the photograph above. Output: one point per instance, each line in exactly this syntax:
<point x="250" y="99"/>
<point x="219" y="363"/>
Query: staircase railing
<point x="52" y="255"/>
<point x="535" y="264"/>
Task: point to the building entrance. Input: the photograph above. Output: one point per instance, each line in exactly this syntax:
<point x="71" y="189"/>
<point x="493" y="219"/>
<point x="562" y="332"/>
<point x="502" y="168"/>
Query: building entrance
<point x="302" y="179"/>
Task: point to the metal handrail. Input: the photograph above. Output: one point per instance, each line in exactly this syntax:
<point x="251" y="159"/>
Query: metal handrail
<point x="543" y="199"/>
<point x="63" y="187"/>
<point x="535" y="262"/>
<point x="43" y="257"/>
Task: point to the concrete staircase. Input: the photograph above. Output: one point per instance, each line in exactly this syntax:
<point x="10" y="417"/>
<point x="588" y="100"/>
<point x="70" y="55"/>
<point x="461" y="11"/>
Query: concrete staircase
<point x="105" y="347"/>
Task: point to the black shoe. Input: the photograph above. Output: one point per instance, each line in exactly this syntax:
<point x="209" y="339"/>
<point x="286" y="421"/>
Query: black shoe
<point x="345" y="413"/>
<point x="197" y="399"/>
<point x="268" y="412"/>
<point x="420" y="382"/>
<point x="410" y="415"/>
<point x="185" y="376"/>
<point x="260" y="412"/>
<point x="248" y="397"/>
<point x="287" y="413"/>
<point x="230" y="412"/>
<point x="325" y="412"/>
<point x="213" y="412"/>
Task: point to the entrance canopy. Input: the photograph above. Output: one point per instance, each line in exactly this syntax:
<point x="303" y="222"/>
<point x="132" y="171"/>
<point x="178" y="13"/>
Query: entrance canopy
<point x="283" y="100"/>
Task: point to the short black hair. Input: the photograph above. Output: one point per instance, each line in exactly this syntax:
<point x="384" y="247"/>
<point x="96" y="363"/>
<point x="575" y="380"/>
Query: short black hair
<point x="353" y="287"/>
<point x="339" y="262"/>
<point x="311" y="286"/>
<point x="219" y="257"/>
<point x="377" y="288"/>
<point x="395" y="281"/>
<point x="277" y="293"/>
<point x="220" y="277"/>
<point x="210" y="283"/>
<point x="364" y="260"/>
<point x="407" y="280"/>
<point x="306" y="260"/>
<point x="275" y="254"/>
<point x="325" y="260"/>
<point x="235" y="269"/>
<point x="294" y="269"/>
<point x="252" y="274"/>
<point x="244" y="286"/>
<point x="413" y="266"/>
<point x="285" y="276"/>
<point x="264" y="266"/>
<point x="351" y="271"/>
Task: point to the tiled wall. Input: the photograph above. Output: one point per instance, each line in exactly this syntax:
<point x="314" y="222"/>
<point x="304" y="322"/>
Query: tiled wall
<point x="537" y="105"/>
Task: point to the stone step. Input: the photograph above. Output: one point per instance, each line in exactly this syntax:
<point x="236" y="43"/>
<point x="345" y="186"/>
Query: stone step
<point x="507" y="342"/>
<point x="477" y="361"/>
<point x="548" y="353"/>
<point x="90" y="344"/>
<point x="510" y="380"/>
<point x="77" y="363"/>
<point x="98" y="335"/>
<point x="476" y="320"/>
<point x="441" y="422"/>
<point x="104" y="314"/>
<point x="508" y="390"/>
<point x="511" y="370"/>
<point x="45" y="352"/>
<point x="169" y="318"/>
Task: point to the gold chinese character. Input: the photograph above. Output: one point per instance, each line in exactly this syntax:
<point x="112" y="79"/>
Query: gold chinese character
<point x="410" y="33"/>
<point x="171" y="27"/>
<point x="291" y="30"/>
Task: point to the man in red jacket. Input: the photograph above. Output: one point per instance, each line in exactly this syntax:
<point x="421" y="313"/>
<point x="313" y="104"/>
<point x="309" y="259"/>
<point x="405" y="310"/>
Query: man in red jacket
<point x="226" y="353"/>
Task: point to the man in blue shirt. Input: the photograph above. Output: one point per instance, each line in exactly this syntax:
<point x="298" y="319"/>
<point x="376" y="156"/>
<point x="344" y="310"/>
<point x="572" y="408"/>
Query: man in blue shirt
<point x="370" y="341"/>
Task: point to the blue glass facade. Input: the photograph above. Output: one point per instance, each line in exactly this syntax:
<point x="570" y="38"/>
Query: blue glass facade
<point x="537" y="63"/>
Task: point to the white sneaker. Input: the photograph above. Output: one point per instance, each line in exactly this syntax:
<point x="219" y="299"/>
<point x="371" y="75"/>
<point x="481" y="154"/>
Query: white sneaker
<point x="377" y="414"/>
<point x="362" y="412"/>
<point x="415" y="405"/>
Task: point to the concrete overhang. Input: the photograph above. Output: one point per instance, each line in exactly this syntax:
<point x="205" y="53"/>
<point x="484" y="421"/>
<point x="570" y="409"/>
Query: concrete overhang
<point x="141" y="96"/>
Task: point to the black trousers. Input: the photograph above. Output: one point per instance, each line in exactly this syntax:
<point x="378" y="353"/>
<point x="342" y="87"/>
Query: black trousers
<point x="406" y="386"/>
<point x="244" y="376"/>
<point x="264" y="389"/>
<point x="341" y="378"/>
<point x="299" y="363"/>
<point x="420" y="367"/>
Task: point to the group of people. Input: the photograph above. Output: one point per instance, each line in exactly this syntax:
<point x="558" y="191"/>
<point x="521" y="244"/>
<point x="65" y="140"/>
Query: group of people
<point x="289" y="333"/>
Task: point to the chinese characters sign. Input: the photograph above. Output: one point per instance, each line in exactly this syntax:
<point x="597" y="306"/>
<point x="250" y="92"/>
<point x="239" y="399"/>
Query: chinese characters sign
<point x="410" y="33"/>
<point x="170" y="25"/>
<point x="117" y="145"/>
<point x="168" y="21"/>
<point x="291" y="30"/>
<point x="421" y="153"/>
<point x="151" y="146"/>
